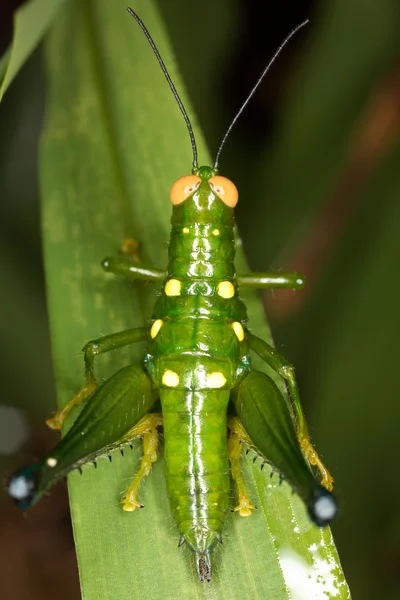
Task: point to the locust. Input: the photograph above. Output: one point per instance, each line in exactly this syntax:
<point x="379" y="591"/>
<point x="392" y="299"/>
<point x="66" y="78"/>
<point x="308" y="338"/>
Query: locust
<point x="196" y="381"/>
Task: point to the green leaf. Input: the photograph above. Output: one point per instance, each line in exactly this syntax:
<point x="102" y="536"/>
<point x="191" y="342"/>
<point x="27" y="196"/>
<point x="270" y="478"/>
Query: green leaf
<point x="31" y="22"/>
<point x="4" y="60"/>
<point x="114" y="142"/>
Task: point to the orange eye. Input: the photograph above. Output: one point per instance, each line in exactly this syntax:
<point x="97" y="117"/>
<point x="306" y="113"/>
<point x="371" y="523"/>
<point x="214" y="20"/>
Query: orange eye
<point x="225" y="189"/>
<point x="183" y="188"/>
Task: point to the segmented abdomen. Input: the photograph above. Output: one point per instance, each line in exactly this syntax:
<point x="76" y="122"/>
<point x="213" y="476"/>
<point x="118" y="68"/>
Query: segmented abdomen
<point x="197" y="469"/>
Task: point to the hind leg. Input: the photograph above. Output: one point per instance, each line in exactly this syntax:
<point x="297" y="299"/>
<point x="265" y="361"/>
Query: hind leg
<point x="280" y="365"/>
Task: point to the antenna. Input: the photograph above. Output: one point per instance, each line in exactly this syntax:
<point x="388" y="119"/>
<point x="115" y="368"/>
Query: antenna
<point x="253" y="90"/>
<point x="170" y="83"/>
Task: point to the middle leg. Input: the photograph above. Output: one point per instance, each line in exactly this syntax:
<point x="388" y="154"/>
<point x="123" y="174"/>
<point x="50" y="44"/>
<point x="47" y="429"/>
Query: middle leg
<point x="91" y="350"/>
<point x="147" y="427"/>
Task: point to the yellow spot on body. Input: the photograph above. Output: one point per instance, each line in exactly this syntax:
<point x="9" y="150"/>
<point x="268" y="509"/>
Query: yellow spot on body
<point x="216" y="380"/>
<point x="215" y="232"/>
<point x="170" y="379"/>
<point x="155" y="328"/>
<point x="226" y="289"/>
<point x="173" y="287"/>
<point x="185" y="230"/>
<point x="51" y="462"/>
<point x="238" y="329"/>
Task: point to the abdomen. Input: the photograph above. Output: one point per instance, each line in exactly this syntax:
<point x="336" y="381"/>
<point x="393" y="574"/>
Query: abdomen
<point x="197" y="469"/>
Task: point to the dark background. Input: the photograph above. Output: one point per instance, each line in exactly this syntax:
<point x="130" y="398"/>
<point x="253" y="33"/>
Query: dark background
<point x="336" y="196"/>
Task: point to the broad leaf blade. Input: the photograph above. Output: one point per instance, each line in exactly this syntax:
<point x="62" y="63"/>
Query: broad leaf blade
<point x="114" y="143"/>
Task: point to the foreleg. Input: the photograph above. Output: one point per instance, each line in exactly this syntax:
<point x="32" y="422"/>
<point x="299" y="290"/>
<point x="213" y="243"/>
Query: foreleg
<point x="266" y="281"/>
<point x="130" y="265"/>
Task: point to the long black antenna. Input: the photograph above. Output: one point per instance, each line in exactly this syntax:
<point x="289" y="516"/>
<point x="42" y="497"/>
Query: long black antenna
<point x="170" y="83"/>
<point x="267" y="68"/>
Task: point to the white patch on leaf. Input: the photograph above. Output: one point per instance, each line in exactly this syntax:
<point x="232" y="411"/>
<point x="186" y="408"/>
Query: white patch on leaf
<point x="310" y="582"/>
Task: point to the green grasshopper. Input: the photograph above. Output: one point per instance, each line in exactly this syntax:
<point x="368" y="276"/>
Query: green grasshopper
<point x="198" y="366"/>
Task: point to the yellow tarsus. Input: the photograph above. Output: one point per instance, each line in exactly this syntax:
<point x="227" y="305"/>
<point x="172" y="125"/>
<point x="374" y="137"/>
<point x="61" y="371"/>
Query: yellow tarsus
<point x="58" y="419"/>
<point x="312" y="456"/>
<point x="130" y="248"/>
<point x="147" y="428"/>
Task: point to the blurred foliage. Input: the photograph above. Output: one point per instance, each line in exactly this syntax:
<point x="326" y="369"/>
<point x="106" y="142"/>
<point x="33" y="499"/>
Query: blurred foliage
<point x="30" y="25"/>
<point x="23" y="311"/>
<point x="320" y="194"/>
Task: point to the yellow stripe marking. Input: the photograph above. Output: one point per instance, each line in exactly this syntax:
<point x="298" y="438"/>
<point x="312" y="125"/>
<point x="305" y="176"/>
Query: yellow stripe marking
<point x="185" y="230"/>
<point x="215" y="232"/>
<point x="173" y="287"/>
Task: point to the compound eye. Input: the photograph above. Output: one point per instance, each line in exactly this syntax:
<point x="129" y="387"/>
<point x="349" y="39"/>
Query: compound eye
<point x="183" y="188"/>
<point x="225" y="190"/>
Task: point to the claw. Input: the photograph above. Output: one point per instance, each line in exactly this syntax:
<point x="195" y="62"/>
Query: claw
<point x="54" y="423"/>
<point x="244" y="507"/>
<point x="131" y="505"/>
